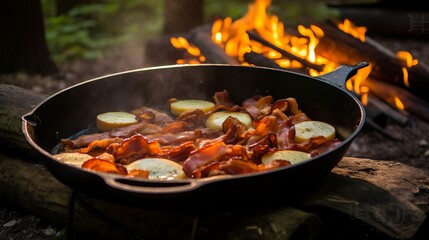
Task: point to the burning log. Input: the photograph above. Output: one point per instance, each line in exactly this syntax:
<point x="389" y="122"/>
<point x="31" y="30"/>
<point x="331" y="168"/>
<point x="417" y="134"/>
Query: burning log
<point x="168" y="54"/>
<point x="260" y="60"/>
<point x="343" y="48"/>
<point x="254" y="36"/>
<point x="213" y="53"/>
<point x="31" y="187"/>
<point x="391" y="94"/>
<point x="382" y="108"/>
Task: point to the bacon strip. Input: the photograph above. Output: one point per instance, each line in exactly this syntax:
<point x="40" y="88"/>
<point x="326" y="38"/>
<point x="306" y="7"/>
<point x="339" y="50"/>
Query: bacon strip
<point x="136" y="147"/>
<point x="203" y="157"/>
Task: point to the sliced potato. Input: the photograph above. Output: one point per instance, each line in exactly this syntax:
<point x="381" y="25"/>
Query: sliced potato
<point x="158" y="168"/>
<point x="215" y="120"/>
<point x="74" y="159"/>
<point x="190" y="104"/>
<point x="110" y="120"/>
<point x="308" y="129"/>
<point x="290" y="155"/>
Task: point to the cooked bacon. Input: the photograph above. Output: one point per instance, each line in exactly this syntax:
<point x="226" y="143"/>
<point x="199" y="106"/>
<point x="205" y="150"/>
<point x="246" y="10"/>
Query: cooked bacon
<point x="266" y="125"/>
<point x="281" y="105"/>
<point x="223" y="98"/>
<point x="102" y="165"/>
<point x="179" y="153"/>
<point x="269" y="140"/>
<point x="137" y="147"/>
<point x="193" y="118"/>
<point x="231" y="166"/>
<point x="146" y="116"/>
<point x="141" y="128"/>
<point x="204" y="156"/>
<point x="300" y="117"/>
<point x="258" y="106"/>
<point x="140" y="173"/>
<point x="175" y="127"/>
<point x="170" y="138"/>
<point x="218" y="108"/>
<point x="308" y="144"/>
<point x="160" y="118"/>
<point x="293" y="106"/>
<point x="104" y="143"/>
<point x="286" y="134"/>
<point x="235" y="131"/>
<point x="203" y="152"/>
<point x="324" y="147"/>
<point x="85" y="140"/>
<point x="207" y="133"/>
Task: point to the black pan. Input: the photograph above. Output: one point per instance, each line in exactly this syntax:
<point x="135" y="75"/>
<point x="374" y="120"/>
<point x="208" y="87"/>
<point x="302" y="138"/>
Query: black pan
<point x="74" y="109"/>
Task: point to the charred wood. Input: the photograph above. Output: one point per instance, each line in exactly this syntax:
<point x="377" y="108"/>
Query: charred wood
<point x="201" y="37"/>
<point x="256" y="37"/>
<point x="343" y="48"/>
<point x="380" y="112"/>
<point x="159" y="51"/>
<point x="388" y="92"/>
<point x="259" y="59"/>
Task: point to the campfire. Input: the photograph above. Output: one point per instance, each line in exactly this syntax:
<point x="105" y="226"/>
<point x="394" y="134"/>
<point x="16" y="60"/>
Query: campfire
<point x="393" y="86"/>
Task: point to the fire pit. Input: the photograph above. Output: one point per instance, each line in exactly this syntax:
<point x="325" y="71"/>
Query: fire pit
<point x="395" y="79"/>
<point x="393" y="90"/>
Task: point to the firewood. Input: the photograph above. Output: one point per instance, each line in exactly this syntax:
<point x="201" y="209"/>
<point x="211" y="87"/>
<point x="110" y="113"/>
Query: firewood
<point x="388" y="92"/>
<point x="254" y="36"/>
<point x="365" y="189"/>
<point x="159" y="51"/>
<point x="382" y="108"/>
<point x="259" y="59"/>
<point x="201" y="37"/>
<point x="15" y="102"/>
<point x="343" y="48"/>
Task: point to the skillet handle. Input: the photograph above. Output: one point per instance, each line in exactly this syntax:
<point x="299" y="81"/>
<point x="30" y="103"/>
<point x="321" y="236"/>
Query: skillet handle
<point x="151" y="187"/>
<point x="340" y="75"/>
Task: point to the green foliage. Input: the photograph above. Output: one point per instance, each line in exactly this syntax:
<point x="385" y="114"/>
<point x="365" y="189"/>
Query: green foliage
<point x="88" y="31"/>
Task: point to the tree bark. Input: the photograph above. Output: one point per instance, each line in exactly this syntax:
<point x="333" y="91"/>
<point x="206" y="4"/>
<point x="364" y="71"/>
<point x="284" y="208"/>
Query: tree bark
<point x="23" y="45"/>
<point x="181" y="16"/>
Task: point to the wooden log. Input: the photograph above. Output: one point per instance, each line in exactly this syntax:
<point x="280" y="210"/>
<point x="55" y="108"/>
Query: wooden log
<point x="255" y="36"/>
<point x="383" y="187"/>
<point x="15" y="102"/>
<point x="343" y="48"/>
<point x="390" y="112"/>
<point x="388" y="92"/>
<point x="259" y="59"/>
<point x="159" y="51"/>
<point x="201" y="37"/>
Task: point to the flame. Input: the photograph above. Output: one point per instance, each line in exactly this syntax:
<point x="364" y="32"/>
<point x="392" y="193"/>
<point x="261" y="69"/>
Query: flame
<point x="355" y="83"/>
<point x="398" y="103"/>
<point x="182" y="43"/>
<point x="348" y="27"/>
<point x="233" y="37"/>
<point x="409" y="62"/>
<point x="364" y="95"/>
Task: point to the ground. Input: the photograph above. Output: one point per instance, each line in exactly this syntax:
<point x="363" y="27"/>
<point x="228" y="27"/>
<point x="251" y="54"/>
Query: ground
<point x="412" y="148"/>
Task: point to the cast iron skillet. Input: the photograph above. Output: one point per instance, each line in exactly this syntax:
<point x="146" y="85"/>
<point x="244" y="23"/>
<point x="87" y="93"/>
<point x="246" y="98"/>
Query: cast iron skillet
<point x="74" y="109"/>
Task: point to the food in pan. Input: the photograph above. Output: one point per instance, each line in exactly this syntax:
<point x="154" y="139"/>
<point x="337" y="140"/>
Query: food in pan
<point x="194" y="138"/>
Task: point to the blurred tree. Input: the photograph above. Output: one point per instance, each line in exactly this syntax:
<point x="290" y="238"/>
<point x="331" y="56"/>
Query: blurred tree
<point x="22" y="44"/>
<point x="63" y="6"/>
<point x="182" y="15"/>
